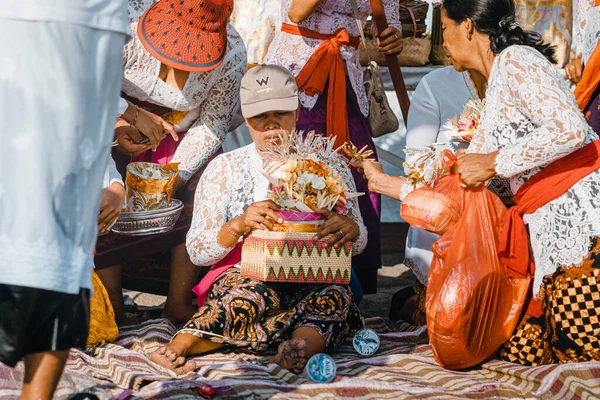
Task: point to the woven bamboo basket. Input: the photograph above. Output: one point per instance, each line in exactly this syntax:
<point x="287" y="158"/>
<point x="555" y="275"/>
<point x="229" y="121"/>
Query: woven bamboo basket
<point x="294" y="257"/>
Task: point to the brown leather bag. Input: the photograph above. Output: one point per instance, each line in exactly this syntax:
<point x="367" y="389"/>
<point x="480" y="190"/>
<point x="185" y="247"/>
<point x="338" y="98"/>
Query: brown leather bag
<point x="382" y="119"/>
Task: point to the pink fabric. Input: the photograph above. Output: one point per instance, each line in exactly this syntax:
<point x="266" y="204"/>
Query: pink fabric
<point x="164" y="152"/>
<point x="201" y="289"/>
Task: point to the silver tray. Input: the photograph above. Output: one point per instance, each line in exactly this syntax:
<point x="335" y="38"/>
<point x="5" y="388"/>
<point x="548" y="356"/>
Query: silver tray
<point x="149" y="222"/>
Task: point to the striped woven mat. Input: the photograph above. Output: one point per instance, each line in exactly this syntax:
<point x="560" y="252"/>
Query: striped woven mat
<point x="403" y="368"/>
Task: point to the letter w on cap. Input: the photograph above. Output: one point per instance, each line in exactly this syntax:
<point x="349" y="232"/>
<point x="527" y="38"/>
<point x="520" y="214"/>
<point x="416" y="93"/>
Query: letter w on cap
<point x="263" y="81"/>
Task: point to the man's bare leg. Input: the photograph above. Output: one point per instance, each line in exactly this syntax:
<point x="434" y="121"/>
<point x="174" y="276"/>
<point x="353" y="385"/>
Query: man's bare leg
<point x="172" y="356"/>
<point x="112" y="281"/>
<point x="42" y="373"/>
<point x="183" y="278"/>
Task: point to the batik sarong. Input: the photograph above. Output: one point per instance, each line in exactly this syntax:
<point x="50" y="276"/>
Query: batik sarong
<point x="253" y="315"/>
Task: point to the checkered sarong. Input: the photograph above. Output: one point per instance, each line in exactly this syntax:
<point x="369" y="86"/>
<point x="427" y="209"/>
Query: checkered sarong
<point x="569" y="329"/>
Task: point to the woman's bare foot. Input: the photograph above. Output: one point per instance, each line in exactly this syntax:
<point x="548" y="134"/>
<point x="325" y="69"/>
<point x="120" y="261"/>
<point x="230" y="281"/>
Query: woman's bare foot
<point x="292" y="355"/>
<point x="172" y="359"/>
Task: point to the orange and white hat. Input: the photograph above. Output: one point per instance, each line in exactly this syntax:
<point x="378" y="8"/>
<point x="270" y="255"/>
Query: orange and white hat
<point x="190" y="35"/>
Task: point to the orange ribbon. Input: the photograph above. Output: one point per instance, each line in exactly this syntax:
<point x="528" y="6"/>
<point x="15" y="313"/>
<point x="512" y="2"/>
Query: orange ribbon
<point x="548" y="184"/>
<point x="325" y="64"/>
<point x="590" y="79"/>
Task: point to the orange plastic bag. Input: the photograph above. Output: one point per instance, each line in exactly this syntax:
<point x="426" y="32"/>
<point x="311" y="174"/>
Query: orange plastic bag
<point x="472" y="305"/>
<point x="433" y="209"/>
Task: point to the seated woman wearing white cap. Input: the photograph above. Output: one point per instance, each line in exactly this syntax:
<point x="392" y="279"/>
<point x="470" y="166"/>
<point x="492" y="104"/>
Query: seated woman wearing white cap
<point x="231" y="200"/>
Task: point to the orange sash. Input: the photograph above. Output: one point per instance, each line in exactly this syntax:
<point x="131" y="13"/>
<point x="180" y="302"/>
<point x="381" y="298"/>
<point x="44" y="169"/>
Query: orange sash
<point x="589" y="80"/>
<point x="545" y="186"/>
<point x="326" y="63"/>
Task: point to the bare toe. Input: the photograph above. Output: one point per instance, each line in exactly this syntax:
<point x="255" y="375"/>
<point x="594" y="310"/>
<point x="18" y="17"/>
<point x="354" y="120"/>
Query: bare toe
<point x="169" y="359"/>
<point x="188" y="366"/>
<point x="171" y="355"/>
<point x="162" y="360"/>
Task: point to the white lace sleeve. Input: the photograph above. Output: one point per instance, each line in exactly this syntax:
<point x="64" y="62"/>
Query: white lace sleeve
<point x="539" y="94"/>
<point x="392" y="12"/>
<point x="205" y="137"/>
<point x="581" y="12"/>
<point x="353" y="211"/>
<point x="210" y="214"/>
<point x="477" y="142"/>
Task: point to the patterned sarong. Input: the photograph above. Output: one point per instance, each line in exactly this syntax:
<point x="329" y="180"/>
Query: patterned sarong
<point x="569" y="328"/>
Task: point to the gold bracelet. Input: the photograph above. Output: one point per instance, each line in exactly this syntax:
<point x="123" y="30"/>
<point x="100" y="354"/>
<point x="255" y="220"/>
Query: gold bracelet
<point x="232" y="231"/>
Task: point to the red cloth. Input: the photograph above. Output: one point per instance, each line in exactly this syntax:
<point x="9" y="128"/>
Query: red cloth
<point x="548" y="184"/>
<point x="325" y="64"/>
<point x="201" y="289"/>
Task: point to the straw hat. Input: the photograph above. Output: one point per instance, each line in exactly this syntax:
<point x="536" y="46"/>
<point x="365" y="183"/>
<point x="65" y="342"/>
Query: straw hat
<point x="190" y="35"/>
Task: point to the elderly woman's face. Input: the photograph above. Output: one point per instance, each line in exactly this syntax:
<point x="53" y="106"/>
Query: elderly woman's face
<point x="459" y="48"/>
<point x="265" y="128"/>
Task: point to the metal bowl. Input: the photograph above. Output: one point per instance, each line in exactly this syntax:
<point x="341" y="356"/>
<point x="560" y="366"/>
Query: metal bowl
<point x="149" y="222"/>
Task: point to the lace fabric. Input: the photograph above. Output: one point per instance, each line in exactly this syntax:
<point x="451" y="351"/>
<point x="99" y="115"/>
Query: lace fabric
<point x="531" y="117"/>
<point x="230" y="184"/>
<point x="292" y="52"/>
<point x="581" y="17"/>
<point x="212" y="96"/>
<point x="592" y="33"/>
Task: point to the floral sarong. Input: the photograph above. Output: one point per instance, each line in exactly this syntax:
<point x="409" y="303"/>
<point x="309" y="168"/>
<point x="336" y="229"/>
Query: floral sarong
<point x="252" y="315"/>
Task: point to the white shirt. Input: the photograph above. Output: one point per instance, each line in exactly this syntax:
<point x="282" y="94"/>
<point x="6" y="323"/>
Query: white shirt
<point x="108" y="15"/>
<point x="439" y="96"/>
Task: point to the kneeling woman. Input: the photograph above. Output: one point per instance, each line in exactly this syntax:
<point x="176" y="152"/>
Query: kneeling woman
<point x="231" y="200"/>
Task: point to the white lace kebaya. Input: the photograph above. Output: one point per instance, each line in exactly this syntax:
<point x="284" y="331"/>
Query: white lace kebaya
<point x="212" y="98"/>
<point x="292" y="51"/>
<point x="531" y="117"/>
<point x="230" y="184"/>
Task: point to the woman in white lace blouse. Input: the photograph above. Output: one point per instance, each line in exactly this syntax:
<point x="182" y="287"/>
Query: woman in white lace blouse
<point x="184" y="63"/>
<point x="532" y="132"/>
<point x="231" y="200"/>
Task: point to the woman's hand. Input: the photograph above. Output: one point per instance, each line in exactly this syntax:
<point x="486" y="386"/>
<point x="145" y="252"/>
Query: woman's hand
<point x="127" y="138"/>
<point x="574" y="70"/>
<point x="111" y="203"/>
<point x="154" y="127"/>
<point x="151" y="125"/>
<point x="260" y="215"/>
<point x="475" y="169"/>
<point x="342" y="228"/>
<point x="372" y="170"/>
<point x="390" y="41"/>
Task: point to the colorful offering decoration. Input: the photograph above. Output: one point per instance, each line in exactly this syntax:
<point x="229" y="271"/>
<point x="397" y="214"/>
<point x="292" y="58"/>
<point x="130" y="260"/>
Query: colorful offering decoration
<point x="304" y="175"/>
<point x="463" y="126"/>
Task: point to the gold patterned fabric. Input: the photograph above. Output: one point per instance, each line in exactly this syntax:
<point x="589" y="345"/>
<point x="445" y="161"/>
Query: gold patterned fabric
<point x="553" y="19"/>
<point x="103" y="328"/>
<point x="420" y="316"/>
<point x="569" y="328"/>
